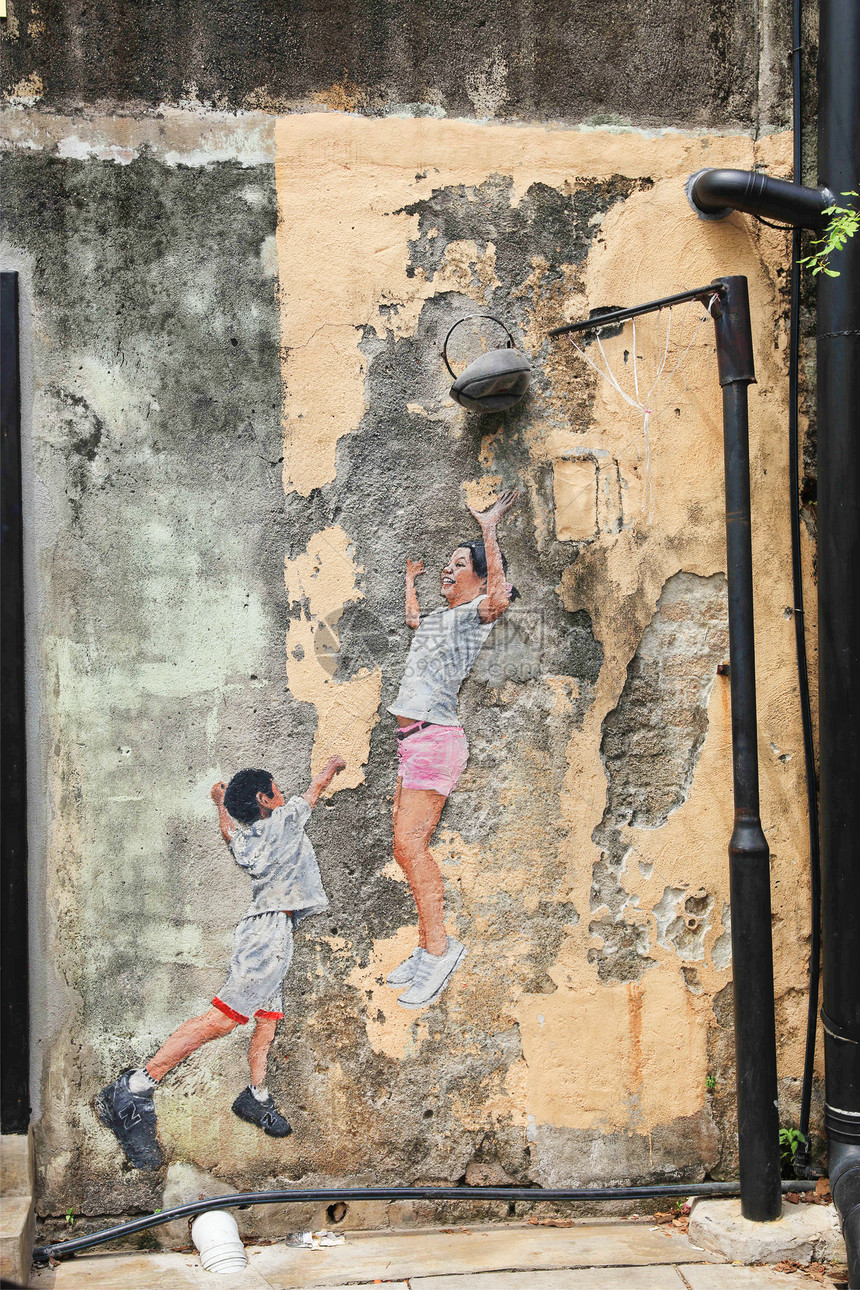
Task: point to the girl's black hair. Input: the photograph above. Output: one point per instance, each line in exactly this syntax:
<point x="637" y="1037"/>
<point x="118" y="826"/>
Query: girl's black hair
<point x="240" y="798"/>
<point x="478" y="554"/>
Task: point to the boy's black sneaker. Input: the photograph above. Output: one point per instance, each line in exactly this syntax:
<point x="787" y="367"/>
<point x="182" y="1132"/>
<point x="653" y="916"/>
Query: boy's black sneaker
<point x="265" y="1115"/>
<point x="131" y="1118"/>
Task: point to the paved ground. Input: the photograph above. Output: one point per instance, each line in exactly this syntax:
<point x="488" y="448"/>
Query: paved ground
<point x="594" y="1255"/>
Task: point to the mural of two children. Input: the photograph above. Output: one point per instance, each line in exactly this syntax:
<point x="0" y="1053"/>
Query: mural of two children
<point x="266" y="836"/>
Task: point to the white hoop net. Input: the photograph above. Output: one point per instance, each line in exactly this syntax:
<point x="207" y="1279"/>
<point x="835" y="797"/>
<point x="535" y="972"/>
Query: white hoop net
<point x="645" y="400"/>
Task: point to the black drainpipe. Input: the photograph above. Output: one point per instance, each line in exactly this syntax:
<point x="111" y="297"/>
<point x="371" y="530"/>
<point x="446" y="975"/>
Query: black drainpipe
<point x="14" y="989"/>
<point x="838" y="383"/>
<point x="714" y="194"/>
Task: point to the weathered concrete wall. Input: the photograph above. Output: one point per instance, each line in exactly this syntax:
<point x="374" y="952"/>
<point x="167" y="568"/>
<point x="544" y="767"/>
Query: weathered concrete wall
<point x="239" y="429"/>
<point x="661" y="63"/>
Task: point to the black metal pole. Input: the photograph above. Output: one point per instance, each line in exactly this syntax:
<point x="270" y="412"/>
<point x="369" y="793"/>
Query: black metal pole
<point x="838" y="381"/>
<point x="749" y="858"/>
<point x="749" y="867"/>
<point x="14" y="1001"/>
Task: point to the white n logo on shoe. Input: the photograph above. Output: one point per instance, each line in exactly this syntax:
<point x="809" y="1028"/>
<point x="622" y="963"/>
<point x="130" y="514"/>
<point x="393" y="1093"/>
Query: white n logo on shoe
<point x="129" y="1115"/>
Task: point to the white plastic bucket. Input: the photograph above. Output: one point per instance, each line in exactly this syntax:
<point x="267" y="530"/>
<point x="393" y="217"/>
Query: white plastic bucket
<point x="216" y="1236"/>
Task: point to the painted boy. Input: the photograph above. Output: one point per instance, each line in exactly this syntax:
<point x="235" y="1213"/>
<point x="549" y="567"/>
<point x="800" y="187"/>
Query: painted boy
<point x="267" y="839"/>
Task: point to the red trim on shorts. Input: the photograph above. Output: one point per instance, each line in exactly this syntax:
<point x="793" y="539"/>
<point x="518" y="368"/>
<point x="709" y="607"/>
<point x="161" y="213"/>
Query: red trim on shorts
<point x="269" y="1016"/>
<point x="228" y="1011"/>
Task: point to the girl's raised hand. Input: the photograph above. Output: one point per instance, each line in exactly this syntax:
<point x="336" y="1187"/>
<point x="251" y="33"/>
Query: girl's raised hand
<point x="414" y="568"/>
<point x="503" y="503"/>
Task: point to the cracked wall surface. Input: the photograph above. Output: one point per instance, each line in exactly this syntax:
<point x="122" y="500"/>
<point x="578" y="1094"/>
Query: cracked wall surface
<point x="239" y="428"/>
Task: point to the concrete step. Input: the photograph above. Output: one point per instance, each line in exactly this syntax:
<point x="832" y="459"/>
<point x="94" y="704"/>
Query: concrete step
<point x="17" y="1211"/>
<point x="16" y="1164"/>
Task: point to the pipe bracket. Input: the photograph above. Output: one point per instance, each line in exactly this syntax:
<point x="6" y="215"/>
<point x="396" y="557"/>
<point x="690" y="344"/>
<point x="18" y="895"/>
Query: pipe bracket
<point x="848" y="1034"/>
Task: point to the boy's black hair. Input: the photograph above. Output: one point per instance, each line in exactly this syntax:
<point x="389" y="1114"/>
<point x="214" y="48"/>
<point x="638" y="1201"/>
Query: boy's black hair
<point x="478" y="553"/>
<point x="240" y="798"/>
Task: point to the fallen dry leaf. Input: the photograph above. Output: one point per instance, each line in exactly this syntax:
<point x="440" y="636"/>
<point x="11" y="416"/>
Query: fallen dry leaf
<point x="821" y="1195"/>
<point x="815" y="1271"/>
<point x="673" y="1218"/>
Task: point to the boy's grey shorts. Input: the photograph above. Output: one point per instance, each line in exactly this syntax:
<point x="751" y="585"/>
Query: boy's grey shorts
<point x="262" y="953"/>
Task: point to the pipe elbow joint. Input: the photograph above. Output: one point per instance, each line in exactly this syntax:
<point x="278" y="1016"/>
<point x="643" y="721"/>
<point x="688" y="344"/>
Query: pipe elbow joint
<point x="714" y="194"/>
<point x="845" y="1186"/>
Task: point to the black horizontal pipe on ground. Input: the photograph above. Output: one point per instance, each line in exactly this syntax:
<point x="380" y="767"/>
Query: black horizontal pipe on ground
<point x="325" y="1195"/>
<point x="838" y="384"/>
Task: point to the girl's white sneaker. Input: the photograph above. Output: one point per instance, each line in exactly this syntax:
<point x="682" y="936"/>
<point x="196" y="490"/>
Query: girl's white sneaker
<point x="433" y="973"/>
<point x="404" y="973"/>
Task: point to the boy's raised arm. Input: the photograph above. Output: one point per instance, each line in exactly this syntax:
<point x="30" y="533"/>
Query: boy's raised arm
<point x="228" y="828"/>
<point x="321" y="781"/>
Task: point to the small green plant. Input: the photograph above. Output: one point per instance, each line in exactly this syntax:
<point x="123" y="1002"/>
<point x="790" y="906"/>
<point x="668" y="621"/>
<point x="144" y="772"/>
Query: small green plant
<point x="790" y="1140"/>
<point x="710" y="1083"/>
<point x="70" y="1217"/>
<point x="843" y="224"/>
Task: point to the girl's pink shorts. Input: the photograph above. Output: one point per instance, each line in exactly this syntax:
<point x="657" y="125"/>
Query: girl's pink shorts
<point x="434" y="757"/>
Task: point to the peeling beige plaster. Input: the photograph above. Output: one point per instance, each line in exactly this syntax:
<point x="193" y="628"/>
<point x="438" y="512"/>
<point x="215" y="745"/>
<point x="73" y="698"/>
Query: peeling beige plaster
<point x="320" y="583"/>
<point x="575" y="498"/>
<point x="610" y="1057"/>
<point x="343" y="250"/>
<point x="342" y="240"/>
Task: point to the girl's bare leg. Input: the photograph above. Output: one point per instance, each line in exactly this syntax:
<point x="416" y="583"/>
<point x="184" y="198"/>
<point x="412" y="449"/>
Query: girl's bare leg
<point x="258" y="1053"/>
<point x="187" y="1038"/>
<point x="415" y="816"/>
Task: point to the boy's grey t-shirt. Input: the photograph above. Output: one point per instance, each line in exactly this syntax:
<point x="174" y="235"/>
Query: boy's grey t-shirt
<point x="442" y="653"/>
<point x="278" y="855"/>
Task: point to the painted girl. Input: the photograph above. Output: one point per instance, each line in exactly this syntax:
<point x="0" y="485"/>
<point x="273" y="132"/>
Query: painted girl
<point x="432" y="749"/>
